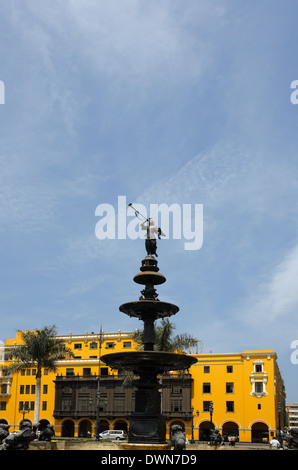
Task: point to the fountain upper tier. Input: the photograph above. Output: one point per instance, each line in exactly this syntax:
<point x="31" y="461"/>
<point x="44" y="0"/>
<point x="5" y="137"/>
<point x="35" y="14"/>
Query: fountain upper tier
<point x="149" y="305"/>
<point x="149" y="277"/>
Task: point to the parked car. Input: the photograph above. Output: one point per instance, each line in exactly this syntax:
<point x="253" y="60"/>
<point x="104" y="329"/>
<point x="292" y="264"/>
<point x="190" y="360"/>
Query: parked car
<point x="116" y="434"/>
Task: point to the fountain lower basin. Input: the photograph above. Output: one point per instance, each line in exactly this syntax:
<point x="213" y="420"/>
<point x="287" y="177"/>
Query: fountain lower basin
<point x="139" y="361"/>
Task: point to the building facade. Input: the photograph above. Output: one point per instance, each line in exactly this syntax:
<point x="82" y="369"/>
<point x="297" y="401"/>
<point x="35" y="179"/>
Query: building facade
<point x="238" y="393"/>
<point x="244" y="388"/>
<point x="292" y="415"/>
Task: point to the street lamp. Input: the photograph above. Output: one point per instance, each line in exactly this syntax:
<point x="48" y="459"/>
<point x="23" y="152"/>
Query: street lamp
<point x="192" y="441"/>
<point x="24" y="410"/>
<point x="279" y="413"/>
<point x="98" y="387"/>
<point x="211" y="413"/>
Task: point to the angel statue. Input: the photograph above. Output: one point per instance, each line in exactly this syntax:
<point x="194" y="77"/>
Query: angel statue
<point x="152" y="231"/>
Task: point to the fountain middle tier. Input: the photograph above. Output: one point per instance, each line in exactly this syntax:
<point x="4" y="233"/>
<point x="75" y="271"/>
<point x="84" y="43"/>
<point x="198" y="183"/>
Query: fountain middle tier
<point x="154" y="308"/>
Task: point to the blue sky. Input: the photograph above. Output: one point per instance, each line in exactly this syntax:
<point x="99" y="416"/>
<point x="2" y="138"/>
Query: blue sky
<point x="161" y="102"/>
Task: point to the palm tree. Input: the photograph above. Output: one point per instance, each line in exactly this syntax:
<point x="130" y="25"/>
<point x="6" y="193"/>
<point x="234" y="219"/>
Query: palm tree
<point x="41" y="349"/>
<point x="165" y="340"/>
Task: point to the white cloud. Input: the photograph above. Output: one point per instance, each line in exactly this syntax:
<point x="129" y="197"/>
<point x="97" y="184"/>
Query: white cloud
<point x="210" y="177"/>
<point x="277" y="300"/>
<point x="83" y="286"/>
<point x="139" y="39"/>
<point x="126" y="44"/>
<point x="26" y="204"/>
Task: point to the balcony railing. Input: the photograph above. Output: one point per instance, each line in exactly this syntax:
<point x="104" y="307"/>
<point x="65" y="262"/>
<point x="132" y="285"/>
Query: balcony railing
<point x="93" y="377"/>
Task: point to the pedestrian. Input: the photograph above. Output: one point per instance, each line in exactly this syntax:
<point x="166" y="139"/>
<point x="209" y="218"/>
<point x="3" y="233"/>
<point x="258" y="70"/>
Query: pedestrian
<point x="274" y="443"/>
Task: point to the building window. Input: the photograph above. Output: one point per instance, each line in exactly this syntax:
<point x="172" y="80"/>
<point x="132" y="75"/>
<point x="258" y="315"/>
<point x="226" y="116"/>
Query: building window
<point x="44" y="406"/>
<point x="126" y="344"/>
<point x="93" y="345"/>
<point x="69" y="372"/>
<point x="230" y="406"/>
<point x="229" y="369"/>
<point x="206" y="387"/>
<point x="259" y="387"/>
<point x="110" y="345"/>
<point x="3" y="405"/>
<point x="206" y="405"/>
<point x="27" y="389"/>
<point x="258" y="381"/>
<point x="24" y="405"/>
<point x="22" y="389"/>
<point x="33" y="389"/>
<point x="66" y="404"/>
<point x="206" y="369"/>
<point x="230" y="387"/>
<point x="176" y="405"/>
<point x="176" y="390"/>
<point x="45" y="389"/>
<point x="78" y="346"/>
<point x="119" y="404"/>
<point x="84" y="404"/>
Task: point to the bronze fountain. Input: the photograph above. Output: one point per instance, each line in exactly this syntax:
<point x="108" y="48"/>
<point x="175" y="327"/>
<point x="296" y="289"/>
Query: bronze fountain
<point x="147" y="424"/>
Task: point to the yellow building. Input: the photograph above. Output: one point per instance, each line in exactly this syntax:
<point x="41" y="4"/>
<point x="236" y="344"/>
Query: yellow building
<point x="245" y="390"/>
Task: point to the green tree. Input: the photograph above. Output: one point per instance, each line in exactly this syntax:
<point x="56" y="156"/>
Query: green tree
<point x="165" y="341"/>
<point x="41" y="349"/>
